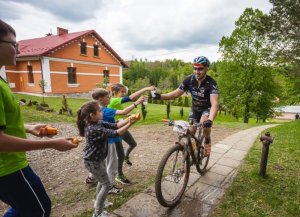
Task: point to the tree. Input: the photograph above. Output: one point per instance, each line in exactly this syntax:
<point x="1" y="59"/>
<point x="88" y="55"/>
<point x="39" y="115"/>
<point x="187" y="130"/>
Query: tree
<point x="43" y="84"/>
<point x="246" y="54"/>
<point x="285" y="29"/>
<point x="285" y="36"/>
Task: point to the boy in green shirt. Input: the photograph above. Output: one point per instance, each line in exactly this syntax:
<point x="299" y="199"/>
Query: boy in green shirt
<point x="20" y="187"/>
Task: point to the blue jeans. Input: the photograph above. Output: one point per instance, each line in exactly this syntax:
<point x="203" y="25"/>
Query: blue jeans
<point x="25" y="193"/>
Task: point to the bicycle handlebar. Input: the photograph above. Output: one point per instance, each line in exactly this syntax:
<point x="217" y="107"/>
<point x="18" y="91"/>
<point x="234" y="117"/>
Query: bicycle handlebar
<point x="172" y="123"/>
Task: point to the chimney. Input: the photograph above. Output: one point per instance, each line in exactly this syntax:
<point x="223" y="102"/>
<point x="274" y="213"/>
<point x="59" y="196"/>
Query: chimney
<point x="61" y="31"/>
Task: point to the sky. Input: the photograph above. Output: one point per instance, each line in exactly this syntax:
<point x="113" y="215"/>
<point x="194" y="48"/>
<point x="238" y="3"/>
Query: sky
<point x="135" y="29"/>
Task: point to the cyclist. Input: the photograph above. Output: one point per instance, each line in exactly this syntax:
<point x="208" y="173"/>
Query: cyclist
<point x="205" y="98"/>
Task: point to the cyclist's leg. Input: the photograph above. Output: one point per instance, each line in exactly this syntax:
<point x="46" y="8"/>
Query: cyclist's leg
<point x="128" y="138"/>
<point x="206" y="132"/>
<point x="194" y="117"/>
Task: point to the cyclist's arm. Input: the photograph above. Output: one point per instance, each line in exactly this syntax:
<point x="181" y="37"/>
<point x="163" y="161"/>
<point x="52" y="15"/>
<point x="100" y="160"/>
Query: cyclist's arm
<point x="172" y="95"/>
<point x="214" y="100"/>
<point x="136" y="94"/>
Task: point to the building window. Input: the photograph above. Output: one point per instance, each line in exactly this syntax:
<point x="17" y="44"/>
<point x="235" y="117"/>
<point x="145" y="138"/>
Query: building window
<point x="96" y="50"/>
<point x="105" y="77"/>
<point x="83" y="48"/>
<point x="106" y="73"/>
<point x="72" y="75"/>
<point x="30" y="75"/>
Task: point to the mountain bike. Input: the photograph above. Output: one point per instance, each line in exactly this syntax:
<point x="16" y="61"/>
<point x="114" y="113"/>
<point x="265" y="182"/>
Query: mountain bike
<point x="174" y="168"/>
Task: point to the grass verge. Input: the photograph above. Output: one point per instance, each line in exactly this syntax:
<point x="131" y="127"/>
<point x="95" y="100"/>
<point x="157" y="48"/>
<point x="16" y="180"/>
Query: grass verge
<point x="279" y="193"/>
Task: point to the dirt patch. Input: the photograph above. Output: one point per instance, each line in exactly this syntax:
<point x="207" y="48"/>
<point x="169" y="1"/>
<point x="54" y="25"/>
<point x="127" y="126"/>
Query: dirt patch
<point x="63" y="173"/>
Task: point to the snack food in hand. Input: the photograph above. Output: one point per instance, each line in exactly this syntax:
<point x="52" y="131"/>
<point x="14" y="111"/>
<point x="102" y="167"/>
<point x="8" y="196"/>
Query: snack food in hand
<point x="136" y="116"/>
<point x="48" y="131"/>
<point x="76" y="140"/>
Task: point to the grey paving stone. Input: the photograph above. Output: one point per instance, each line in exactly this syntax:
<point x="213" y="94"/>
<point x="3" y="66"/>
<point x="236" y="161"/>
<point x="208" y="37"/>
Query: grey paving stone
<point x="215" y="155"/>
<point x="218" y="150"/>
<point x="229" y="162"/>
<point x="235" y="154"/>
<point x="212" y="178"/>
<point x="221" y="145"/>
<point x="221" y="169"/>
<point x="197" y="191"/>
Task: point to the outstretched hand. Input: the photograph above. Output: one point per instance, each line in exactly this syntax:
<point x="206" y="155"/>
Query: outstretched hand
<point x="140" y="99"/>
<point x="35" y="129"/>
<point x="63" y="144"/>
<point x="151" y="88"/>
<point x="157" y="96"/>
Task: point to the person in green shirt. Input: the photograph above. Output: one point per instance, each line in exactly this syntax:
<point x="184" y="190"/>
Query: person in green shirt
<point x="20" y="187"/>
<point x="118" y="98"/>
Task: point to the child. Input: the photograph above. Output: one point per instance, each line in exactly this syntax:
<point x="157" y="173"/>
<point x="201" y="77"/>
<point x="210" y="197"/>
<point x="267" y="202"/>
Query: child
<point x="102" y="96"/>
<point x="96" y="132"/>
<point x="20" y="187"/>
<point x="118" y="98"/>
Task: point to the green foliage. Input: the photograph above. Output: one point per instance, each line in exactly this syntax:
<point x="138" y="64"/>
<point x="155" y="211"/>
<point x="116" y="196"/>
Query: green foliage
<point x="42" y="85"/>
<point x="245" y="79"/>
<point x="165" y="75"/>
<point x="103" y="84"/>
<point x="279" y="193"/>
<point x="186" y="101"/>
<point x="284" y="30"/>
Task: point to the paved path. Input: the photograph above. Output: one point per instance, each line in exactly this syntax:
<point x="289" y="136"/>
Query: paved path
<point x="203" y="192"/>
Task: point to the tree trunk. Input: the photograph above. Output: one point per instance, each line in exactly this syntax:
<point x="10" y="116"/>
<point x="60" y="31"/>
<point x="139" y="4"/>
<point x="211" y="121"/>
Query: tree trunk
<point x="246" y="113"/>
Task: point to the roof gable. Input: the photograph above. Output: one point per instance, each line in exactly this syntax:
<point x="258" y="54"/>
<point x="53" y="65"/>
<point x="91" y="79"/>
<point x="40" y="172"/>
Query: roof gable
<point x="48" y="44"/>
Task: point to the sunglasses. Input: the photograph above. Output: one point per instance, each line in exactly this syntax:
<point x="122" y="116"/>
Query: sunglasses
<point x="14" y="43"/>
<point x="199" y="68"/>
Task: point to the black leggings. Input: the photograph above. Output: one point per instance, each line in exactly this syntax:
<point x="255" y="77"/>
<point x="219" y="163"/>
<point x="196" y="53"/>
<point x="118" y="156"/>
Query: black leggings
<point x="127" y="137"/>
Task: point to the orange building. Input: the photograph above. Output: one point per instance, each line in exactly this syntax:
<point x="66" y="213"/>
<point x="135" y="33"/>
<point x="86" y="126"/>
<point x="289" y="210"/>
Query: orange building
<point x="67" y="62"/>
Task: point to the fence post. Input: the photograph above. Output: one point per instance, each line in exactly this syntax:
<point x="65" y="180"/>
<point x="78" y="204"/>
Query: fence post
<point x="266" y="141"/>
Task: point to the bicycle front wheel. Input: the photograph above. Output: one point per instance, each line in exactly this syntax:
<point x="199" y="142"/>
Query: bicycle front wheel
<point x="202" y="160"/>
<point x="172" y="176"/>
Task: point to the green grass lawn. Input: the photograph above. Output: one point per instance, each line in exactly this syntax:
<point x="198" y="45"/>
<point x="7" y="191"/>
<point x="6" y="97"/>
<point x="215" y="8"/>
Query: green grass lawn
<point x="279" y="193"/>
<point x="155" y="112"/>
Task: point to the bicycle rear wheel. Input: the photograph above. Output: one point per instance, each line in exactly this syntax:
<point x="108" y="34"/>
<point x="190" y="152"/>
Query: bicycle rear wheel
<point x="172" y="176"/>
<point x="202" y="160"/>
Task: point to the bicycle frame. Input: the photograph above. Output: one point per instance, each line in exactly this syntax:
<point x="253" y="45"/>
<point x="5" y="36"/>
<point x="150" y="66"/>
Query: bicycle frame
<point x="199" y="139"/>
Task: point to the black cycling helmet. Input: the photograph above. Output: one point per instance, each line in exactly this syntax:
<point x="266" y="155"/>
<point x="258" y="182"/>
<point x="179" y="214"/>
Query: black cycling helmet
<point x="201" y="60"/>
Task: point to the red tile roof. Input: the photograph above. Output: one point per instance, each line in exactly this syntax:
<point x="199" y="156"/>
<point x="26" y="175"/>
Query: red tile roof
<point x="46" y="45"/>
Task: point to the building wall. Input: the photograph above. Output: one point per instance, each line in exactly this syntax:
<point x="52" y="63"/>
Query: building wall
<point x="17" y="76"/>
<point x="286" y="116"/>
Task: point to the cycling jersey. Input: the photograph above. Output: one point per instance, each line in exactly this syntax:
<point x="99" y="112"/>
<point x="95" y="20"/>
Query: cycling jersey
<point x="200" y="93"/>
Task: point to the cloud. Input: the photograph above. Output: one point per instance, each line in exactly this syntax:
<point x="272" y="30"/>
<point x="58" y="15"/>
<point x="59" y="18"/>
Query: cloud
<point x="7" y="11"/>
<point x="135" y="28"/>
<point x="70" y="10"/>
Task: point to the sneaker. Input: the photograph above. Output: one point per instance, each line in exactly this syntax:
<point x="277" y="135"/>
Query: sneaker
<point x="90" y="181"/>
<point x="103" y="214"/>
<point x="122" y="179"/>
<point x="128" y="162"/>
<point x="107" y="204"/>
<point x="115" y="190"/>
